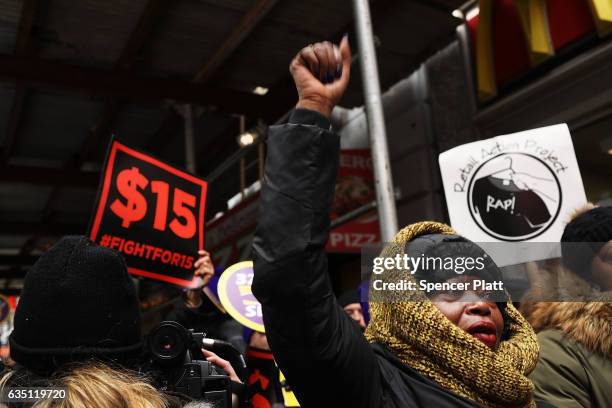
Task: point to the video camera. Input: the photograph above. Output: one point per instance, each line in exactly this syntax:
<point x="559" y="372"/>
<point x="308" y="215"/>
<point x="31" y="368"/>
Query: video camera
<point x="175" y="361"/>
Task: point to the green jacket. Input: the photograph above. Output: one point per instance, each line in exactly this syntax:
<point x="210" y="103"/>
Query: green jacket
<point x="575" y="365"/>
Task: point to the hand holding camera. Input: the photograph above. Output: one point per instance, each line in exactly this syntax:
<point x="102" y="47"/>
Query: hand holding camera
<point x="178" y="362"/>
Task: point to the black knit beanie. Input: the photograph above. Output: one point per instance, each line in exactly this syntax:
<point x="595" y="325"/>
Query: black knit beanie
<point x="78" y="302"/>
<point x="583" y="237"/>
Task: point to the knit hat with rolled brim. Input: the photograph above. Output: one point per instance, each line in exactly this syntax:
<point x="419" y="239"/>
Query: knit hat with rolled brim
<point x="78" y="302"/>
<point x="583" y="237"/>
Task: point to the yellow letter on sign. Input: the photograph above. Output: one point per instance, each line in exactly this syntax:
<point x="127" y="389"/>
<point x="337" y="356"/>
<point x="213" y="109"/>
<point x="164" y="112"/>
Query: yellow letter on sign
<point x="485" y="64"/>
<point x="534" y="20"/>
<point x="602" y="12"/>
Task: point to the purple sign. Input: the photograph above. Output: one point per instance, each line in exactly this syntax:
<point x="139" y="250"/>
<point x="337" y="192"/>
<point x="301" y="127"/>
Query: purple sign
<point x="237" y="298"/>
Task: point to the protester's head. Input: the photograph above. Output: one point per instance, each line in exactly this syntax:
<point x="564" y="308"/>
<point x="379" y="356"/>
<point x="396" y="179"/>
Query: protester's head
<point x="437" y="333"/>
<point x="255" y="339"/>
<point x="475" y="311"/>
<point x="91" y="384"/>
<point x="76" y="327"/>
<point x="350" y="302"/>
<point x="590" y="255"/>
<point x="78" y="302"/>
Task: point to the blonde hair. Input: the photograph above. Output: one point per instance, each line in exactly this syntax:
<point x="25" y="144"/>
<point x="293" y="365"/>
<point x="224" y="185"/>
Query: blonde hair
<point x="99" y="385"/>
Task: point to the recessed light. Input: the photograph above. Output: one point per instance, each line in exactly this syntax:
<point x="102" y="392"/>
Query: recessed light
<point x="260" y="90"/>
<point x="247" y="138"/>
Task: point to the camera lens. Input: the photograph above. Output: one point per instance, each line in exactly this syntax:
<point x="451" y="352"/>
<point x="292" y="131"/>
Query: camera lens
<point x="168" y="341"/>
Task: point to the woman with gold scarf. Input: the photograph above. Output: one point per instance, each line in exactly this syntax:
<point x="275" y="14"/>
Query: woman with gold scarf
<point x="439" y="351"/>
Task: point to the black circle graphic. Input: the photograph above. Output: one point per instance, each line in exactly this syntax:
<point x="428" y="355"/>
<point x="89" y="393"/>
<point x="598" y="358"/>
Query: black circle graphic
<point x="497" y="235"/>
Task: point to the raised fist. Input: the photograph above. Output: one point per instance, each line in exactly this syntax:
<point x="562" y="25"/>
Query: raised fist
<point x="321" y="72"/>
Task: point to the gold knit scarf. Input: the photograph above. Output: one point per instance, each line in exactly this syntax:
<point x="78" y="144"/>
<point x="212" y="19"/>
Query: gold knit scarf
<point x="424" y="339"/>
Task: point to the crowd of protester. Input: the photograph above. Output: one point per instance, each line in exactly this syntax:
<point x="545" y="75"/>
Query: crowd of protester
<point x="77" y="325"/>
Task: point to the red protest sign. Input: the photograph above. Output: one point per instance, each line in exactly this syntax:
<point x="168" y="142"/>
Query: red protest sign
<point x="151" y="212"/>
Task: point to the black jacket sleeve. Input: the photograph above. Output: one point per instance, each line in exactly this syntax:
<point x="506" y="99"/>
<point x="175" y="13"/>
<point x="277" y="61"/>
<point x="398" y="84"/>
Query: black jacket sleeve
<point x="322" y="353"/>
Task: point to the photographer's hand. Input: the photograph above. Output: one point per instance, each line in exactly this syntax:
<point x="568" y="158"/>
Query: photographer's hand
<point x="229" y="370"/>
<point x="321" y="72"/>
<point x="224" y="364"/>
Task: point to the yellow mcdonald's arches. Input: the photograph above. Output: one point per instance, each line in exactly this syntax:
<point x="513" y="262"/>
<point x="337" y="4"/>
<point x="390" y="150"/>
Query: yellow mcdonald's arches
<point x="533" y="17"/>
<point x="534" y="21"/>
<point x="485" y="63"/>
<point x="602" y="13"/>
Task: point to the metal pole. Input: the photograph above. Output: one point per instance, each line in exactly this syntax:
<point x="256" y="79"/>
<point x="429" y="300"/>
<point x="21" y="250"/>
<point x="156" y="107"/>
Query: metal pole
<point x="385" y="196"/>
<point x="189" y="142"/>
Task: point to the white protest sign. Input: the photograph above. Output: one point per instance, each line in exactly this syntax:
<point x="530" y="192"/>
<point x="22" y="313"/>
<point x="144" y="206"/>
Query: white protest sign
<point x="512" y="188"/>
